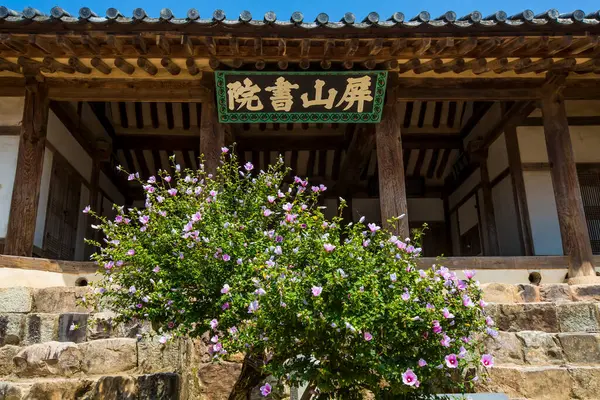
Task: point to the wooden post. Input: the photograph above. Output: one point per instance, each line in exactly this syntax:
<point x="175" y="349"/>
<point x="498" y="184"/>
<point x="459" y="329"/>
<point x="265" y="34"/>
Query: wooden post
<point x="392" y="189"/>
<point x="516" y="174"/>
<point x="571" y="215"/>
<point x="489" y="215"/>
<point x="211" y="137"/>
<point x="28" y="176"/>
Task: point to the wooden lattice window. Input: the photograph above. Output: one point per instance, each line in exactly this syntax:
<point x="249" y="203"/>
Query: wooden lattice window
<point x="589" y="181"/>
<point x="62" y="212"/>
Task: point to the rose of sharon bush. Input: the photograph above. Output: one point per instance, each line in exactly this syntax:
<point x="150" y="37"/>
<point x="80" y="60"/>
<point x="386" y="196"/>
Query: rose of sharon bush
<point x="249" y="256"/>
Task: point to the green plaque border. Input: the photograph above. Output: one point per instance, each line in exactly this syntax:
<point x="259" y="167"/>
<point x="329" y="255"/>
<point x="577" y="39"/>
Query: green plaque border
<point x="300" y="117"/>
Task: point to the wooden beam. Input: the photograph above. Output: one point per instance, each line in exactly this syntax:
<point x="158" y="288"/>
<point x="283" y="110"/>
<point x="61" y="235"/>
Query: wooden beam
<point x="569" y="204"/>
<point x="128" y="90"/>
<point x="211" y="138"/>
<point x="28" y="176"/>
<point x="518" y="183"/>
<point x="392" y="188"/>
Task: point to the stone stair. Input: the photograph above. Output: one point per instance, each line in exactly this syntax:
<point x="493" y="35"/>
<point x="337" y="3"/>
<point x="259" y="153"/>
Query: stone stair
<point x="51" y="347"/>
<point x="548" y="346"/>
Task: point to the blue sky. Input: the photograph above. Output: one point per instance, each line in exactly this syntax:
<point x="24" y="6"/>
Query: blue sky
<point x="310" y="8"/>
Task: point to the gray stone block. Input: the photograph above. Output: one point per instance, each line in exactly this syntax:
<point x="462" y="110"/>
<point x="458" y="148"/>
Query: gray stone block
<point x="526" y="317"/>
<point x="15" y="300"/>
<point x="506" y="348"/>
<point x="500" y="293"/>
<point x="156" y="357"/>
<point x="556" y="292"/>
<point x="11" y="328"/>
<point x="540" y="348"/>
<point x="7" y="366"/>
<point x="72" y="327"/>
<point x="529" y="293"/>
<point x="61" y="300"/>
<point x="162" y="386"/>
<point x="107" y="356"/>
<point x="48" y="359"/>
<point x="582" y="348"/>
<point x="586" y="292"/>
<point x="578" y="317"/>
<point x="41" y="328"/>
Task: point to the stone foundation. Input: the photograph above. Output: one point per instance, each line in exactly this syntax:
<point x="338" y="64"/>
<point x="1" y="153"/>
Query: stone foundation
<point x="548" y="347"/>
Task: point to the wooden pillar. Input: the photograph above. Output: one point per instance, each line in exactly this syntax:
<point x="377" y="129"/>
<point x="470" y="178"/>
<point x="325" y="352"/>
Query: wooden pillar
<point x="518" y="183"/>
<point x="28" y="176"/>
<point x="392" y="189"/>
<point x="211" y="136"/>
<point x="489" y="216"/>
<point x="571" y="216"/>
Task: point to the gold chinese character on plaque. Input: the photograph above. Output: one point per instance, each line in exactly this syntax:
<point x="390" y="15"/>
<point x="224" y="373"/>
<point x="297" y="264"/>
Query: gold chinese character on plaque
<point x="357" y="91"/>
<point x="282" y="94"/>
<point x="319" y="100"/>
<point x="244" y="95"/>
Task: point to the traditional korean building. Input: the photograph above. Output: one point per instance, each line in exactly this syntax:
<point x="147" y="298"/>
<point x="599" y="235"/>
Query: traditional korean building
<point x="487" y="128"/>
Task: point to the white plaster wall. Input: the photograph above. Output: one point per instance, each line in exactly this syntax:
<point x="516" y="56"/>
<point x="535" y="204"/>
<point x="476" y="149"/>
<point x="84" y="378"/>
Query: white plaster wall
<point x="467" y="215"/>
<point x="585" y="140"/>
<point x="497" y="157"/>
<point x="64" y="142"/>
<point x="425" y="209"/>
<point x="9" y="147"/>
<point x="542" y="213"/>
<point x="506" y="218"/>
<point x="40" y="222"/>
<point x="82" y="221"/>
<point x="12" y="277"/>
<point x="11" y="110"/>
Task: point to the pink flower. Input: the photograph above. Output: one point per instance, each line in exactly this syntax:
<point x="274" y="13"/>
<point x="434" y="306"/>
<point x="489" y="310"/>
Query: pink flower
<point x="287" y="207"/>
<point x="271" y="199"/>
<point x="172" y="191"/>
<point x="393" y="277"/>
<point x="152" y="179"/>
<point x="267" y="212"/>
<point x="196" y="217"/>
<point x="167" y="178"/>
<point x="130" y="252"/>
<point x="451" y="361"/>
<point x="226" y="257"/>
<point x="156" y="269"/>
<point x="162" y="340"/>
<point x="445" y="341"/>
<point x="469" y="274"/>
<point x="225" y="289"/>
<point x="144" y="219"/>
<point x="214" y="323"/>
<point x="467" y="302"/>
<point x="214" y="339"/>
<point x="87" y="209"/>
<point x="447" y="314"/>
<point x="422" y="363"/>
<point x="249" y="167"/>
<point x="265" y="390"/>
<point x="224" y="150"/>
<point x="462" y="353"/>
<point x="409" y="378"/>
<point x="368" y="336"/>
<point x="405" y="296"/>
<point x="482" y="303"/>
<point x="373" y="227"/>
<point x="225" y="306"/>
<point x="253" y="307"/>
<point x="328" y="247"/>
<point x="436" y="327"/>
<point x="487" y="360"/>
<point x="366" y="243"/>
<point x="489" y="321"/>
<point x="316" y="290"/>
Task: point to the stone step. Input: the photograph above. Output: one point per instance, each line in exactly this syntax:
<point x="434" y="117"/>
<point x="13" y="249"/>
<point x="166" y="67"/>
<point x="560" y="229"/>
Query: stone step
<point x="542" y="348"/>
<point x="543" y="383"/>
<point x="546" y="317"/>
<point x="160" y="386"/>
<point x="97" y="357"/>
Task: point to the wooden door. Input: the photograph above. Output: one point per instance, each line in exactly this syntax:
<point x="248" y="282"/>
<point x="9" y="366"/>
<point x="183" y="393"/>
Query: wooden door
<point x="589" y="182"/>
<point x="62" y="212"/>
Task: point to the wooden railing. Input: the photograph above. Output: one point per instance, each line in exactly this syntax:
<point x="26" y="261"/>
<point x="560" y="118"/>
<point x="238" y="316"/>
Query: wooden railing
<point x="476" y="263"/>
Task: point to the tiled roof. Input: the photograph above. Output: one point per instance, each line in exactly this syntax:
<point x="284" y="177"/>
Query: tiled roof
<point x="527" y="18"/>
